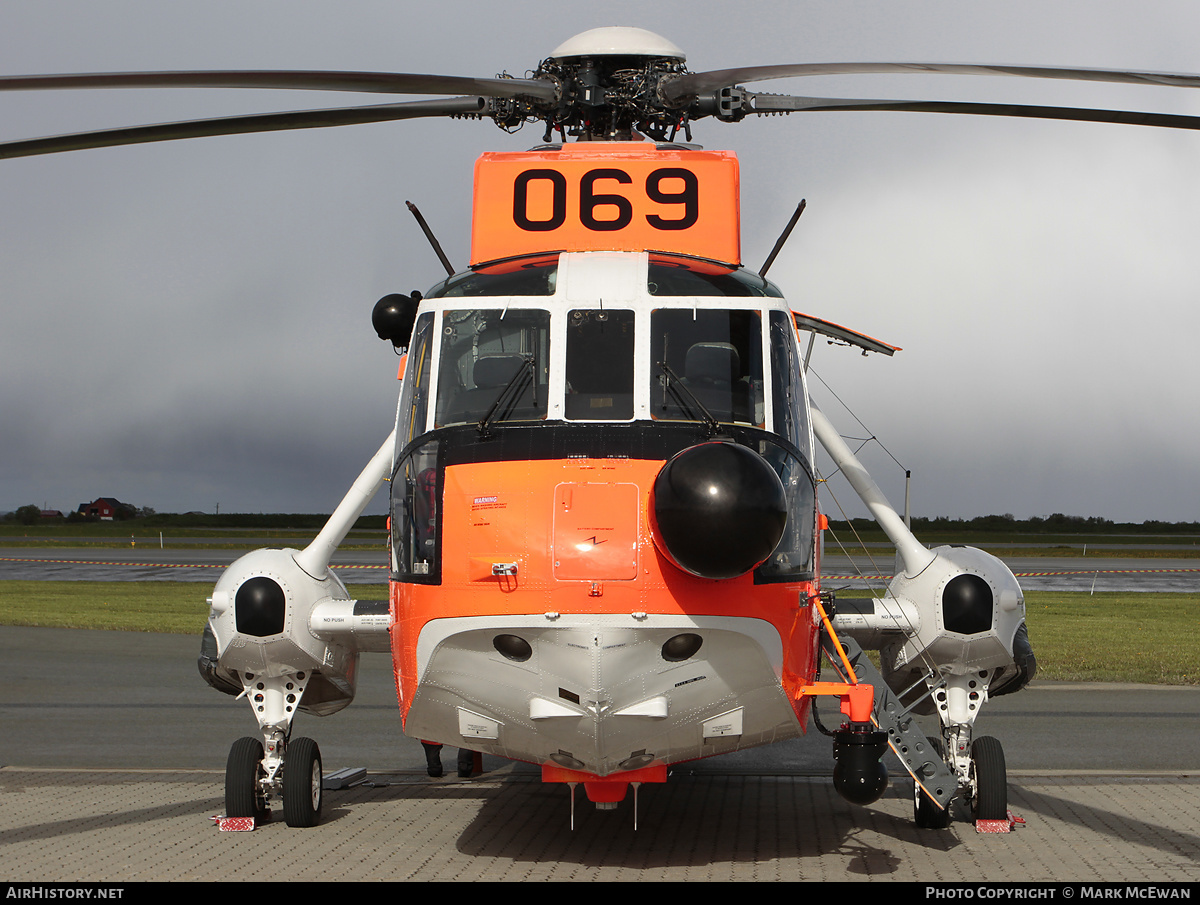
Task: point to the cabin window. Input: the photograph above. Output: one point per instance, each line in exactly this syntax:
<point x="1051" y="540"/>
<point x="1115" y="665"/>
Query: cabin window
<point x="494" y="366"/>
<point x="416" y="504"/>
<point x="599" y="365"/>
<point x="706" y="364"/>
<point x="793" y="557"/>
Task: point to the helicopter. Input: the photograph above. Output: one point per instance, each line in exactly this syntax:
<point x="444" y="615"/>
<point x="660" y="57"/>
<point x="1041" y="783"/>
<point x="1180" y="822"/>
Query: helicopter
<point x="605" y="530"/>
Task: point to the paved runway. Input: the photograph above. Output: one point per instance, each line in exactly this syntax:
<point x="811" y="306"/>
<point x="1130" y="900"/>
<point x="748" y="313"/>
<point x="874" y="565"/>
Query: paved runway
<point x="367" y="566"/>
<point x="113" y="752"/>
<point x="149" y="563"/>
<point x="116" y="827"/>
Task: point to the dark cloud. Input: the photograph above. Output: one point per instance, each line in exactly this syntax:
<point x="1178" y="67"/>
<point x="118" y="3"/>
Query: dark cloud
<point x="188" y="324"/>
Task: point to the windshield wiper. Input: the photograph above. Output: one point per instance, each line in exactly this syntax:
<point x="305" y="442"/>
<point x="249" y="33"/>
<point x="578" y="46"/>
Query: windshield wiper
<point x="674" y="384"/>
<point x="512" y="391"/>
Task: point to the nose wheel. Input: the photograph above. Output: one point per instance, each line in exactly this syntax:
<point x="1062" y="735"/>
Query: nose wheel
<point x="245" y="781"/>
<point x="986" y="784"/>
<point x="989" y="779"/>
<point x="302" y="783"/>
<point x="297" y="775"/>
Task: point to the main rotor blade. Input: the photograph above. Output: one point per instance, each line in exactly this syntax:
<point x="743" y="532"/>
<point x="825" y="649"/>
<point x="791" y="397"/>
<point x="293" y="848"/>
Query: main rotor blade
<point x="233" y="125"/>
<point x="700" y="83"/>
<point x="306" y="80"/>
<point x="772" y="103"/>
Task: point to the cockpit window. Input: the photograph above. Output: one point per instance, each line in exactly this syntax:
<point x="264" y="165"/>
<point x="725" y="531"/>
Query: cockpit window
<point x="669" y="277"/>
<point x="706" y="365"/>
<point x="414" y="392"/>
<point x="524" y="277"/>
<point x="494" y="366"/>
<point x="599" y="365"/>
<point x="791" y="415"/>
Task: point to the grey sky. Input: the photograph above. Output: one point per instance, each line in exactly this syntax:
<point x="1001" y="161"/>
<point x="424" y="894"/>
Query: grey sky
<point x="188" y="324"/>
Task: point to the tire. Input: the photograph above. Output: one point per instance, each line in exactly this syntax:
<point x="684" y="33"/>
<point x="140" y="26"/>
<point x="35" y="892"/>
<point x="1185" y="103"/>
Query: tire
<point x="991" y="780"/>
<point x="302" y="783"/>
<point x="244" y="796"/>
<point x="926" y="813"/>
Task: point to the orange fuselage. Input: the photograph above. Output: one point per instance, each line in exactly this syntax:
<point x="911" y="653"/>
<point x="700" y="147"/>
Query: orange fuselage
<point x="578" y="534"/>
<point x="539" y="611"/>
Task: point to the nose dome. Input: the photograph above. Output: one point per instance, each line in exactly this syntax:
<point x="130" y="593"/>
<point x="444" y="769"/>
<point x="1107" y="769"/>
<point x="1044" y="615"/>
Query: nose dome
<point x="717" y="510"/>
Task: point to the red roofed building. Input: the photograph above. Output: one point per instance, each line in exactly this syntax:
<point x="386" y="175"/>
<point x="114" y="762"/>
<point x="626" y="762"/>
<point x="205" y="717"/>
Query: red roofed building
<point x="106" y="509"/>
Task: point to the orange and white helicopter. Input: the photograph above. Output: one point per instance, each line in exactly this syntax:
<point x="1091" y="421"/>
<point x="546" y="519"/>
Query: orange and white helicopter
<point x="605" y="533"/>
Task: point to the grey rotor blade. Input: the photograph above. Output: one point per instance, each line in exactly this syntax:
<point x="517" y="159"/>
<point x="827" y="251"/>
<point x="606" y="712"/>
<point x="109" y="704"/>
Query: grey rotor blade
<point x="766" y="104"/>
<point x="307" y="80"/>
<point x="699" y="83"/>
<point x="233" y="125"/>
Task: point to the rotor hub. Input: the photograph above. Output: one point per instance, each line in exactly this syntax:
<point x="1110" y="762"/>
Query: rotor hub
<point x="610" y="80"/>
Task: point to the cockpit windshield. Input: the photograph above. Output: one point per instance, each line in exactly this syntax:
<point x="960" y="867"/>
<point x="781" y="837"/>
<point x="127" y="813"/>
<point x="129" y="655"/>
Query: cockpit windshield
<point x="621" y="338"/>
<point x="706" y="365"/>
<point x="600" y="365"/>
<point x="667" y="277"/>
<point x="526" y="276"/>
<point x="677" y="277"/>
<point x="494" y="366"/>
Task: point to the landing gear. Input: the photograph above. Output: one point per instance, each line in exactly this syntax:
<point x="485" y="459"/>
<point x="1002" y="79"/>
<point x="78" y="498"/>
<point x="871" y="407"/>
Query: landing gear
<point x="989" y="780"/>
<point x="983" y="782"/>
<point x="245" y="792"/>
<point x="251" y="779"/>
<point x="926" y="812"/>
<point x="302" y="783"/>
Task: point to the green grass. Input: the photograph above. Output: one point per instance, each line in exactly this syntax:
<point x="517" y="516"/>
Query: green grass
<point x="1104" y="637"/>
<point x="175" y="607"/>
<point x="1113" y="637"/>
<point x="1007" y="550"/>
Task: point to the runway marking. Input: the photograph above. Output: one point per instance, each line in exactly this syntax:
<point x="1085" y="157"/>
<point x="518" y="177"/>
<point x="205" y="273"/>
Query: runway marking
<point x="168" y="565"/>
<point x="1036" y="574"/>
<point x="96" y="562"/>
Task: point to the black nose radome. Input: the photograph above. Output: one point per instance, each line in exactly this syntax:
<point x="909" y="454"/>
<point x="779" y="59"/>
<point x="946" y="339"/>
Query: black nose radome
<point x="717" y="510"/>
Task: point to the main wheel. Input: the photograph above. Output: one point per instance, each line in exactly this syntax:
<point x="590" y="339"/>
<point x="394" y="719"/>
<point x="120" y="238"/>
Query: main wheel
<point x="991" y="780"/>
<point x="302" y="783"/>
<point x="244" y="794"/>
<point x="926" y="813"/>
